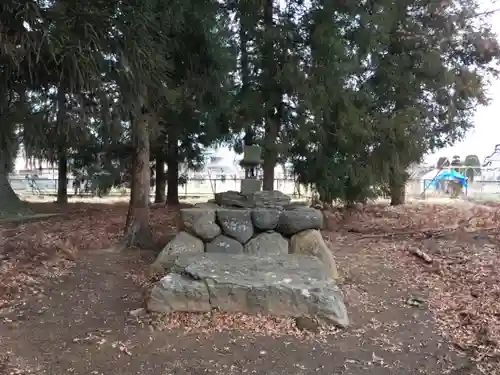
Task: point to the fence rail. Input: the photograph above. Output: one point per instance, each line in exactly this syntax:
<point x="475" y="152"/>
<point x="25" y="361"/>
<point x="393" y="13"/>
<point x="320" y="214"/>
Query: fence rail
<point x="193" y="188"/>
<point x="415" y="187"/>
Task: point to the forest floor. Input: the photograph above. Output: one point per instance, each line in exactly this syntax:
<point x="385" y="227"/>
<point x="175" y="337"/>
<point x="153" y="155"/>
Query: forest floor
<point x="421" y="284"/>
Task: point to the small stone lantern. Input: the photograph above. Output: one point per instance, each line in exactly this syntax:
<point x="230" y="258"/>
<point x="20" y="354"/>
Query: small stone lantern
<point x="251" y="161"/>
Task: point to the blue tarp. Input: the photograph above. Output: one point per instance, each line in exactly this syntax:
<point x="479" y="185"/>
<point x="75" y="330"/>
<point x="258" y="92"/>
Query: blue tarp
<point x="449" y="175"/>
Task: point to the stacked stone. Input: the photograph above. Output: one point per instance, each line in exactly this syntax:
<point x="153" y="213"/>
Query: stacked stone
<point x="272" y="227"/>
<point x="242" y="246"/>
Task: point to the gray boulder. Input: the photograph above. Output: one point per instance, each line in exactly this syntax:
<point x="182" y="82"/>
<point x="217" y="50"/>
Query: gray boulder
<point x="267" y="244"/>
<point x="190" y="216"/>
<point x="205" y="227"/>
<point x="311" y="242"/>
<point x="298" y="220"/>
<point x="236" y="223"/>
<point x="265" y="218"/>
<point x="224" y="244"/>
<point x="182" y="243"/>
<point x="286" y="285"/>
<point x="273" y="198"/>
<point x="232" y="199"/>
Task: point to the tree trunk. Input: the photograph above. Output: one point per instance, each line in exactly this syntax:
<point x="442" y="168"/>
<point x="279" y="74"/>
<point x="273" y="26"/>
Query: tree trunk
<point x="271" y="99"/>
<point x="245" y="78"/>
<point x="172" y="167"/>
<point x="269" y="160"/>
<point x="7" y="194"/>
<point x="10" y="204"/>
<point x="62" y="180"/>
<point x="137" y="230"/>
<point x="397" y="195"/>
<point x="160" y="177"/>
<point x="397" y="187"/>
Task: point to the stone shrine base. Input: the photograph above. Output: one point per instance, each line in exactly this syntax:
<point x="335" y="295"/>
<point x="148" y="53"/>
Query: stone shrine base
<point x="263" y="256"/>
<point x="288" y="285"/>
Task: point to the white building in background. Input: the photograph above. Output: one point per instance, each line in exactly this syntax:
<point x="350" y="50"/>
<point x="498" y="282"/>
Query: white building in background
<point x="491" y="166"/>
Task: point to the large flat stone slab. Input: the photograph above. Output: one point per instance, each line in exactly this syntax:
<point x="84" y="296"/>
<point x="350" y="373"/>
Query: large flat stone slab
<point x="284" y="285"/>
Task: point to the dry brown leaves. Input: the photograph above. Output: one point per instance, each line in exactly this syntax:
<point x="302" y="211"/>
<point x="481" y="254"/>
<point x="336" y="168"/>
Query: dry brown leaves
<point x="31" y="253"/>
<point x="384" y="219"/>
<point x="12" y="365"/>
<point x="216" y="321"/>
<point x="462" y="279"/>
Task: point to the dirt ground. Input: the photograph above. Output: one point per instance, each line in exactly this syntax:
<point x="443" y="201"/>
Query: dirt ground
<point x="65" y="302"/>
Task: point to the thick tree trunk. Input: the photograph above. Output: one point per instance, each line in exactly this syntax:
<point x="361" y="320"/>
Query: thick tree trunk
<point x="160" y="177"/>
<point x="10" y="204"/>
<point x="7" y="194"/>
<point x="172" y="168"/>
<point x="137" y="230"/>
<point x="269" y="164"/>
<point x="62" y="180"/>
<point x="397" y="187"/>
<point x="397" y="195"/>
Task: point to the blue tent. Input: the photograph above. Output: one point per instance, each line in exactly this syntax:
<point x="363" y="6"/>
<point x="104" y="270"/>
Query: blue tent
<point x="449" y="175"/>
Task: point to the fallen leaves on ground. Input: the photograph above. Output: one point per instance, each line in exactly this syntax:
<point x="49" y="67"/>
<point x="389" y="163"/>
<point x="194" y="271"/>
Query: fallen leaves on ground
<point x="458" y="268"/>
<point x="10" y="365"/>
<point x="33" y="252"/>
<point x="383" y="219"/>
<point x="216" y="321"/>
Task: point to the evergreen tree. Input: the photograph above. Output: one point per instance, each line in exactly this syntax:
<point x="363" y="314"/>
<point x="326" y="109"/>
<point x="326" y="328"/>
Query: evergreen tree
<point x="401" y="80"/>
<point x="428" y="80"/>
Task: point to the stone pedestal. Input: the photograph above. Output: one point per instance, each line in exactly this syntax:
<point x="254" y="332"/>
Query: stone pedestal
<point x="254" y="260"/>
<point x="251" y="160"/>
<point x="250" y="186"/>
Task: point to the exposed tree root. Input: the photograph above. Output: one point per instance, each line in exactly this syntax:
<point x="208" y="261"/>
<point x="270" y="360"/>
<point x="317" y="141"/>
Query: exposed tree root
<point x="137" y="236"/>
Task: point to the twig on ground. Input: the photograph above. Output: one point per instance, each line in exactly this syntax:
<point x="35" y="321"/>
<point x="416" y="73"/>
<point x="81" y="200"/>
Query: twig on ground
<point x="421" y="254"/>
<point x="425" y="232"/>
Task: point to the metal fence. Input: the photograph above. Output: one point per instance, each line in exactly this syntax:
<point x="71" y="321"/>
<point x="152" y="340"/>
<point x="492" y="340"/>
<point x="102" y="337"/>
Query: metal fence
<point x="194" y="187"/>
<point x="485" y="185"/>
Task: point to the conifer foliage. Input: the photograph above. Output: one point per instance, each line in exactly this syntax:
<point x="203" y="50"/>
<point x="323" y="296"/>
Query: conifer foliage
<point x="351" y="93"/>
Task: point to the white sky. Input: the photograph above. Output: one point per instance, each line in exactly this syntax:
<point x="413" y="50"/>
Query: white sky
<point x="486" y="133"/>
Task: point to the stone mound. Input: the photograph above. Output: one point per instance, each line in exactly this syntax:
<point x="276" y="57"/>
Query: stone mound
<point x="286" y="285"/>
<point x="258" y="259"/>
